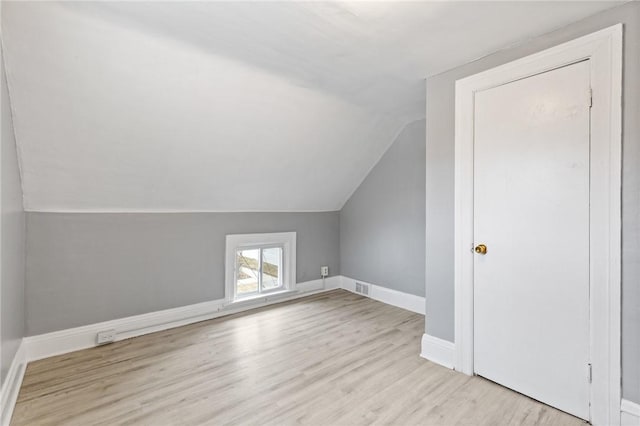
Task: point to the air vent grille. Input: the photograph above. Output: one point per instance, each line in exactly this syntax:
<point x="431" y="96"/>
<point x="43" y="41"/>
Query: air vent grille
<point x="362" y="288"/>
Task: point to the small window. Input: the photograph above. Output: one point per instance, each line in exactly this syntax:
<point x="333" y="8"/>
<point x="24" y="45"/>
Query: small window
<point x="259" y="264"/>
<point x="258" y="270"/>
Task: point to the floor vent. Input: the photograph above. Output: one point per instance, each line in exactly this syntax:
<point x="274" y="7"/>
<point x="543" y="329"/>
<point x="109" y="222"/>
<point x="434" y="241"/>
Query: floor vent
<point x="362" y="288"/>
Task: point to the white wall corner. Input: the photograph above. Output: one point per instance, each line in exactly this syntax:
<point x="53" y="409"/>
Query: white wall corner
<point x="348" y="284"/>
<point x="12" y="383"/>
<point x="333" y="283"/>
<point x="329" y="283"/>
<point x="629" y="413"/>
<point x="389" y="296"/>
<point x="437" y="350"/>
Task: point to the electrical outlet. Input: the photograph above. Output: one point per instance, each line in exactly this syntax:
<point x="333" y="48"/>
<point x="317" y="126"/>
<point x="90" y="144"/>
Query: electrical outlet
<point x="104" y="337"/>
<point x="324" y="271"/>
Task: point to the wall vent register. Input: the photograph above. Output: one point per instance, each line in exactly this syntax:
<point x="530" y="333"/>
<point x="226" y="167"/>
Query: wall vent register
<point x="362" y="288"/>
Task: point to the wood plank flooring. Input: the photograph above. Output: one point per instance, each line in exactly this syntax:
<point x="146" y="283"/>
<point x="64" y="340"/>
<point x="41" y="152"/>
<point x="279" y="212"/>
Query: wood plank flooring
<point x="331" y="359"/>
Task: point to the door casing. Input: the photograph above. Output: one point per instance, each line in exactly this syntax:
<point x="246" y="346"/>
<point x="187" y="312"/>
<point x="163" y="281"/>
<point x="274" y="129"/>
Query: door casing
<point x="604" y="51"/>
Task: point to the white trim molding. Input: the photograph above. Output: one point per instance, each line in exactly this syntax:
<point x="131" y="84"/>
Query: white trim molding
<point x="77" y="338"/>
<point x="407" y="301"/>
<point x="437" y="350"/>
<point x="46" y="345"/>
<point x="629" y="413"/>
<point x="604" y="51"/>
<point x="12" y="383"/>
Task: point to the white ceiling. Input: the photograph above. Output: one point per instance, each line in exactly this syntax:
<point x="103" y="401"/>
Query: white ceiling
<point x="194" y="106"/>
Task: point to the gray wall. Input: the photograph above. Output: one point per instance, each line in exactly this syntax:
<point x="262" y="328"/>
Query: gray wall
<point x="86" y="268"/>
<point x="382" y="224"/>
<point x="439" y="189"/>
<point x="12" y="235"/>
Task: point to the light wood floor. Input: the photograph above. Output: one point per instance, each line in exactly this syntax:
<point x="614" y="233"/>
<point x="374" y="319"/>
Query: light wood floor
<point x="330" y="359"/>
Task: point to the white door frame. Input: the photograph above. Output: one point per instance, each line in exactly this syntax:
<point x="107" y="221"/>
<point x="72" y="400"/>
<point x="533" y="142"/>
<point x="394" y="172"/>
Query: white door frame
<point x="604" y="50"/>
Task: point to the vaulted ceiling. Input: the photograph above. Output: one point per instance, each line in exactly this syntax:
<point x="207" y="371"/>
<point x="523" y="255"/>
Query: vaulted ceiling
<point x="265" y="106"/>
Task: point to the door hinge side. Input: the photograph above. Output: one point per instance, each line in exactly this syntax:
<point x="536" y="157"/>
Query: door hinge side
<point x="590" y="372"/>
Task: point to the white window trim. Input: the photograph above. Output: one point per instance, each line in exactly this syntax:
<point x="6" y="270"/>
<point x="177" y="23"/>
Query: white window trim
<point x="604" y="50"/>
<point x="286" y="240"/>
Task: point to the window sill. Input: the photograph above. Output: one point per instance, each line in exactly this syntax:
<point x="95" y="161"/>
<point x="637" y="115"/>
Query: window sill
<point x="251" y="300"/>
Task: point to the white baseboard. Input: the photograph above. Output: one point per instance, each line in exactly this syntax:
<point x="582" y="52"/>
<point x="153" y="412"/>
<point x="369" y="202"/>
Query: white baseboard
<point x="73" y="339"/>
<point x="330" y="283"/>
<point x="70" y="340"/>
<point x="629" y="413"/>
<point x="437" y="350"/>
<point x="11" y="385"/>
<point x="397" y="298"/>
<point x="60" y="342"/>
<point x="77" y="338"/>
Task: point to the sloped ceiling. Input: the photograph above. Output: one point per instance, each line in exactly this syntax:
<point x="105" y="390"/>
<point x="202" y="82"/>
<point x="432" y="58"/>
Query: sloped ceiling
<point x="194" y="106"/>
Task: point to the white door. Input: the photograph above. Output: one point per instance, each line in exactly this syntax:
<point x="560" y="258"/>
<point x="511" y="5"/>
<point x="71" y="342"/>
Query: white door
<point x="531" y="210"/>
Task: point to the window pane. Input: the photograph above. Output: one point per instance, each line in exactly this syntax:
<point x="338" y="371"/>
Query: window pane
<point x="271" y="268"/>
<point x="248" y="267"/>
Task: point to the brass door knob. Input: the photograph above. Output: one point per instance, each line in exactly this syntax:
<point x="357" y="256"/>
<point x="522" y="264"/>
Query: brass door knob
<point x="481" y="249"/>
